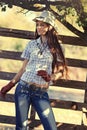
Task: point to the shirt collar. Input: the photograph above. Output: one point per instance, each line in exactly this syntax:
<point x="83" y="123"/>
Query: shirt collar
<point x="39" y="42"/>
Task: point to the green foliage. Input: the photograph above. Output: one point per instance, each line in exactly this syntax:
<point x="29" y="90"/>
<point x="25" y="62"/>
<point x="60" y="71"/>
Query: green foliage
<point x="67" y="8"/>
<point x="18" y="47"/>
<point x="70" y="12"/>
<point x="64" y="12"/>
<point x="3" y="8"/>
<point x="4" y="5"/>
<point x="82" y="23"/>
<point x="79" y="22"/>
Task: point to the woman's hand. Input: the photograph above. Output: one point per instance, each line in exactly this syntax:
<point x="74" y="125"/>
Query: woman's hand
<point x="6" y="88"/>
<point x="48" y="77"/>
<point x="44" y="75"/>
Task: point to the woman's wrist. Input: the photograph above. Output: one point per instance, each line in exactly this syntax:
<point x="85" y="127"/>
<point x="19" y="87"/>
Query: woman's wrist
<point x="53" y="77"/>
<point x="56" y="76"/>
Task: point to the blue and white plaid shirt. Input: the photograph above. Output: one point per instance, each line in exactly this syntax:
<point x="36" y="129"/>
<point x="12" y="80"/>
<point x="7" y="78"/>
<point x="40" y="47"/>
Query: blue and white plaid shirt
<point x="37" y="61"/>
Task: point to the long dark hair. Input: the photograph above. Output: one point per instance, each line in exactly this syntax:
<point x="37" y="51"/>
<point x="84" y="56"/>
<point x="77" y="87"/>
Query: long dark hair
<point x="56" y="51"/>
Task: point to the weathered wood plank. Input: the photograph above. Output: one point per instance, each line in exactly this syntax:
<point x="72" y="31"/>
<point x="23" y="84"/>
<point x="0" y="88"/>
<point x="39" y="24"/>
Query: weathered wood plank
<point x="71" y="84"/>
<point x="60" y="93"/>
<point x="7" y="119"/>
<point x="85" y="119"/>
<point x="61" y="115"/>
<point x="67" y="116"/>
<point x="8" y="98"/>
<point x="62" y="83"/>
<point x="77" y="63"/>
<point x="56" y="103"/>
<point x="76" y="41"/>
<point x="6" y="75"/>
<point x="16" y="56"/>
<point x="61" y="126"/>
<point x="66" y="94"/>
<point x="6" y="127"/>
<point x="10" y="55"/>
<point x="9" y="32"/>
<point x="84" y="116"/>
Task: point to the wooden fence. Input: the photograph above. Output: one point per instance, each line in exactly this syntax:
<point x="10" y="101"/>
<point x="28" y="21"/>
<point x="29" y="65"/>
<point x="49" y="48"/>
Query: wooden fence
<point x="63" y="94"/>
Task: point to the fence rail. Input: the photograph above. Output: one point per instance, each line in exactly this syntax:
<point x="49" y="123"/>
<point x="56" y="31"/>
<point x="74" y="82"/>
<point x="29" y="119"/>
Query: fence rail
<point x="16" y="56"/>
<point x="9" y="32"/>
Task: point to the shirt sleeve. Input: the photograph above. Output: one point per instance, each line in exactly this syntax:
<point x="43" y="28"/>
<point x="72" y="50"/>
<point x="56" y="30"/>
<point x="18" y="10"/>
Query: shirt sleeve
<point x="26" y="53"/>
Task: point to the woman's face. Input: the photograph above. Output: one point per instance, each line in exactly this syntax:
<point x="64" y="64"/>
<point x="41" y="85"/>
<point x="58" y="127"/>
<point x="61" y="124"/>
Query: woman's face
<point x="42" y="28"/>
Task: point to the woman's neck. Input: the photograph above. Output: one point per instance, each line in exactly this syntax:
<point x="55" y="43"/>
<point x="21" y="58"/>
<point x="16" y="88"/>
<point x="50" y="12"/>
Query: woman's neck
<point x="43" y="39"/>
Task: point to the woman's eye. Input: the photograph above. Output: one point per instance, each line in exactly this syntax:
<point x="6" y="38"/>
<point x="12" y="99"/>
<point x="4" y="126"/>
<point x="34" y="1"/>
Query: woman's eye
<point x="41" y="25"/>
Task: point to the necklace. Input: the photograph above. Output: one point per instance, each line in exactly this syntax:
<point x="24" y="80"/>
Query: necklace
<point x="42" y="47"/>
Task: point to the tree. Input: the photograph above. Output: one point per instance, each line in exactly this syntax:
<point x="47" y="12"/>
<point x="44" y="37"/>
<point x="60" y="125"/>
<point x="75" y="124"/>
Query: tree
<point x="61" y="9"/>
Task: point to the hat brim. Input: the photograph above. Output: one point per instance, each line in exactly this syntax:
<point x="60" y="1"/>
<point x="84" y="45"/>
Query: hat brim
<point x="38" y="19"/>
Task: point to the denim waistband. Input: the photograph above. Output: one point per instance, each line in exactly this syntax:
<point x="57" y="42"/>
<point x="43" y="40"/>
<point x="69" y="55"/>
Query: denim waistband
<point x="23" y="82"/>
<point x="32" y="86"/>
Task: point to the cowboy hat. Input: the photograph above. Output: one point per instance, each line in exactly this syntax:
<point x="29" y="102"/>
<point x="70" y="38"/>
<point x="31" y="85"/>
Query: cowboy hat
<point x="47" y="17"/>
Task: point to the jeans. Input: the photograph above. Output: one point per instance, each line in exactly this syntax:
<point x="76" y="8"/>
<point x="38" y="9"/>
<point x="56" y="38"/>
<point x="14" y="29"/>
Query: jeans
<point x="24" y="96"/>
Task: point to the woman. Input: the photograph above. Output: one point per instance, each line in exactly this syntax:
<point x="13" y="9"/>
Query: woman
<point x="44" y="63"/>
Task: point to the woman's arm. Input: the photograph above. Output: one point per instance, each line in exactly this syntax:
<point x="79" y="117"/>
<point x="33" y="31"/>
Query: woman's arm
<point x="58" y="73"/>
<point x="12" y="83"/>
<point x="56" y="76"/>
<point x="20" y="72"/>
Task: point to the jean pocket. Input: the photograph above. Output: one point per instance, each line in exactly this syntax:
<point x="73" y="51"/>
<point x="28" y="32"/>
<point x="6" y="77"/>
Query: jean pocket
<point x="42" y="94"/>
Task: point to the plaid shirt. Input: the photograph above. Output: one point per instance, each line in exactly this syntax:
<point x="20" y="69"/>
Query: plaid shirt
<point x="40" y="58"/>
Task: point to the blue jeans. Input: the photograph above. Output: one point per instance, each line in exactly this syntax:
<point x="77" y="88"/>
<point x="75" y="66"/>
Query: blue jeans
<point x="24" y="96"/>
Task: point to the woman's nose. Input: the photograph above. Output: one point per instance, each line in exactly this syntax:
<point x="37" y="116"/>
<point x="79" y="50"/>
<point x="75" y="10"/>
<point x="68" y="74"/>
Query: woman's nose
<point x="39" y="26"/>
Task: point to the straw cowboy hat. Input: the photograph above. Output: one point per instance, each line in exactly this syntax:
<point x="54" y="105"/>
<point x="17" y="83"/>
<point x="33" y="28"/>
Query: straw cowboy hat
<point x="47" y="17"/>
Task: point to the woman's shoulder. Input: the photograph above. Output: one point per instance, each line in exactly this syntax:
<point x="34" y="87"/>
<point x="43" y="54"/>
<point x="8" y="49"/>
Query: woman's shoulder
<point x="33" y="42"/>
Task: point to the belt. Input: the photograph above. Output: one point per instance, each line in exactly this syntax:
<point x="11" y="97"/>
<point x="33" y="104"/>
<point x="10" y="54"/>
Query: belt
<point x="45" y="86"/>
<point x="34" y="86"/>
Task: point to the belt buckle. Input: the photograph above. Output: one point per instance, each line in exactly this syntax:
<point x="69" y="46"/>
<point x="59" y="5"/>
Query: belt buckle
<point x="33" y="87"/>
